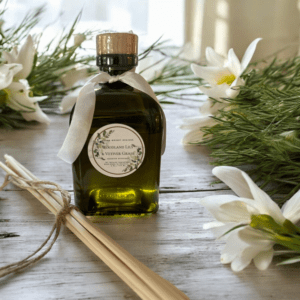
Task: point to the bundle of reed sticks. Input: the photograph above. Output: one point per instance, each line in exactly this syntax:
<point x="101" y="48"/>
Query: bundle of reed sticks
<point x="146" y="283"/>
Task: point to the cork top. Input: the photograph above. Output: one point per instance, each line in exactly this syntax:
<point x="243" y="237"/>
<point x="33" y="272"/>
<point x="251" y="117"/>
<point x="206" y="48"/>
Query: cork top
<point x="117" y="43"/>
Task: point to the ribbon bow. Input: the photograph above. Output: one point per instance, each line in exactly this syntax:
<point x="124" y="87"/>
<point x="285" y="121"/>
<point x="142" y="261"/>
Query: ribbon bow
<point x="85" y="107"/>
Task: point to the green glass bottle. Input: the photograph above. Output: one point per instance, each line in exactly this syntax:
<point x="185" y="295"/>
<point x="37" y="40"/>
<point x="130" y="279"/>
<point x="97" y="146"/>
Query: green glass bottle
<point x="118" y="169"/>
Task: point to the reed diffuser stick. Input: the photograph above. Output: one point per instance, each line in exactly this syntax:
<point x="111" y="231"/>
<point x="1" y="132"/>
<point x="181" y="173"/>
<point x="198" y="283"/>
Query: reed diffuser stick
<point x="163" y="285"/>
<point x="146" y="283"/>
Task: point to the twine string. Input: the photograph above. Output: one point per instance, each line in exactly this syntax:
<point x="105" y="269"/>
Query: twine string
<point x="46" y="186"/>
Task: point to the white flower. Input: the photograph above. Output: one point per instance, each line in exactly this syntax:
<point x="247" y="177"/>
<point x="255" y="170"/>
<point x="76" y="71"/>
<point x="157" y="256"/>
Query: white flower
<point x="193" y="124"/>
<point x="73" y="75"/>
<point x="7" y="73"/>
<point x="244" y="243"/>
<point x="18" y="99"/>
<point x="79" y="38"/>
<point x="151" y="66"/>
<point x="23" y="57"/>
<point x="223" y="76"/>
<point x="14" y="85"/>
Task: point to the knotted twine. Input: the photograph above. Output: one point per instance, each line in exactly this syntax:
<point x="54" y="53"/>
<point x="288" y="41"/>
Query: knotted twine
<point x="46" y="186"/>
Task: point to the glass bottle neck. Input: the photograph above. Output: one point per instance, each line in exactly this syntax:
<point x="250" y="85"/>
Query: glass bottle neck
<point x="116" y="64"/>
<point x="114" y="71"/>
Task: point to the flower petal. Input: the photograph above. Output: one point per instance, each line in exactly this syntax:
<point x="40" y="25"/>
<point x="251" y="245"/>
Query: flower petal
<point x="37" y="115"/>
<point x="75" y="76"/>
<point x="19" y="100"/>
<point x="248" y="54"/>
<point x="252" y="243"/>
<point x="19" y="87"/>
<point x="197" y="122"/>
<point x="265" y="204"/>
<point x="38" y="99"/>
<point x="234" y="90"/>
<point x="15" y="52"/>
<point x="25" y="58"/>
<point x="243" y="186"/>
<point x="18" y="97"/>
<point x="232" y="93"/>
<point x="209" y="74"/>
<point x="9" y="57"/>
<point x="233" y="178"/>
<point x="234" y="246"/>
<point x="244" y="259"/>
<point x="213" y="224"/>
<point x="211" y="108"/>
<point x="219" y="228"/>
<point x="192" y="137"/>
<point x="240" y="210"/>
<point x="233" y="63"/>
<point x="7" y="72"/>
<point x="291" y="208"/>
<point x="216" y="92"/>
<point x="25" y="84"/>
<point x="79" y="38"/>
<point x="213" y="58"/>
<point x="206" y="107"/>
<point x="227" y="208"/>
<point x="263" y="259"/>
<point x="255" y="238"/>
<point x="223" y="90"/>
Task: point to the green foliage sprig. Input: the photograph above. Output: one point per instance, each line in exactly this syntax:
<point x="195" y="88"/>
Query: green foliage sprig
<point x="260" y="128"/>
<point x="58" y="57"/>
<point x="52" y="63"/>
<point x="12" y="36"/>
<point x="49" y="64"/>
<point x="175" y="76"/>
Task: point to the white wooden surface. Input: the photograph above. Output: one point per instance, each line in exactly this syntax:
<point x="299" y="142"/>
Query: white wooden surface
<point x="171" y="242"/>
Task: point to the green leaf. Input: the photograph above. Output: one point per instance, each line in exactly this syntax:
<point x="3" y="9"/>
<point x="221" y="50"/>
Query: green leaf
<point x="250" y="131"/>
<point x="290" y="227"/>
<point x="290" y="261"/>
<point x="232" y="229"/>
<point x="266" y="223"/>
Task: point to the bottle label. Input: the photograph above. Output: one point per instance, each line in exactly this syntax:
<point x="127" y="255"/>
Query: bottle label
<point x="116" y="150"/>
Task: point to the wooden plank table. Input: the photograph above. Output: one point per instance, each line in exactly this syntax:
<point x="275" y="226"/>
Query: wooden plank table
<point x="172" y="242"/>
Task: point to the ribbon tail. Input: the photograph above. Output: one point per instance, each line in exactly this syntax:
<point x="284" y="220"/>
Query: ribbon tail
<point x="137" y="81"/>
<point x="80" y="125"/>
<point x="68" y="102"/>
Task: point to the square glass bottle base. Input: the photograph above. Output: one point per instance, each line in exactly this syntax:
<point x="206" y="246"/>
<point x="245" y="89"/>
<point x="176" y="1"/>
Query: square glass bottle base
<point x="118" y="201"/>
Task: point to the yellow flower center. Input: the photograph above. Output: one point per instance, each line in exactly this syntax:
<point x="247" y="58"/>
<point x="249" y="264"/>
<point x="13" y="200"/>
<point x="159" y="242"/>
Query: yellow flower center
<point x="228" y="78"/>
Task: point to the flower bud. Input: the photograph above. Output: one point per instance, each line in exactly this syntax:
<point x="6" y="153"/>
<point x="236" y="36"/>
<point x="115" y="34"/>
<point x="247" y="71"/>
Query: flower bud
<point x="289" y="135"/>
<point x="79" y="38"/>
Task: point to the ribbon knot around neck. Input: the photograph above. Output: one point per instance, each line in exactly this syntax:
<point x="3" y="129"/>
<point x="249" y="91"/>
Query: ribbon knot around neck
<point x="85" y="107"/>
<point x="114" y="79"/>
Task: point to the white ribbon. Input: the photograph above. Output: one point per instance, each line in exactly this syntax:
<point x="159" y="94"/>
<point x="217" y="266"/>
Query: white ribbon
<point x="85" y="107"/>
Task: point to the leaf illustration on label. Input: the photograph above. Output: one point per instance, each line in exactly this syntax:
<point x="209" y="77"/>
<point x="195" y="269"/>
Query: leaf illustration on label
<point x="100" y="142"/>
<point x="135" y="160"/>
